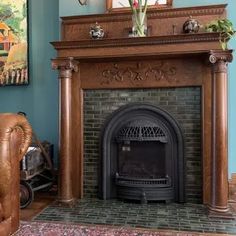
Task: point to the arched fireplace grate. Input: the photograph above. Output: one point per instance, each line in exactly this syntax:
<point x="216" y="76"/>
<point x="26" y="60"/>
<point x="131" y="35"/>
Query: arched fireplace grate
<point x="142" y="155"/>
<point x="141" y="130"/>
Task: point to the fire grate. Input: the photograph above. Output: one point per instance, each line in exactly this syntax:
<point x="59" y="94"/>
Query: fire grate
<point x="141" y="182"/>
<point x="140" y="130"/>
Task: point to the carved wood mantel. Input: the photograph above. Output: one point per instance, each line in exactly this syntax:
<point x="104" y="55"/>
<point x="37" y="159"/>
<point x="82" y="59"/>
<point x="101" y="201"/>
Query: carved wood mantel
<point x="166" y="60"/>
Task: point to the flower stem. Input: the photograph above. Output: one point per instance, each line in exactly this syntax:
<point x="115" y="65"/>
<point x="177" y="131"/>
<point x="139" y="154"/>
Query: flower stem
<point x="139" y="16"/>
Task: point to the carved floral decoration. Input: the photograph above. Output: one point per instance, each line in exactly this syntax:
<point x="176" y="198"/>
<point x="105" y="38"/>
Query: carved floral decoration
<point x="139" y="73"/>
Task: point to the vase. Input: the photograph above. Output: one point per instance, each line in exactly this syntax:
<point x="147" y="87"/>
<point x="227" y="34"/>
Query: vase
<point x="191" y="26"/>
<point x="96" y="31"/>
<point x="139" y="20"/>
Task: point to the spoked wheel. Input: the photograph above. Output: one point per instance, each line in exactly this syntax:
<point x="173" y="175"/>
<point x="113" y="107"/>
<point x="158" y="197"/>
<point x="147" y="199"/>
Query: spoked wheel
<point x="26" y="194"/>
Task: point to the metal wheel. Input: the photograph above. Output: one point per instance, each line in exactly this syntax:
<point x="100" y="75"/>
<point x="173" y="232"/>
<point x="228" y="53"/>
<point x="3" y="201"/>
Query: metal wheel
<point x="26" y="194"/>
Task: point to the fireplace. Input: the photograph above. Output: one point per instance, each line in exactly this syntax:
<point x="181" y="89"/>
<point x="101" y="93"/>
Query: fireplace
<point x="184" y="106"/>
<point x="142" y="155"/>
<point x="166" y="59"/>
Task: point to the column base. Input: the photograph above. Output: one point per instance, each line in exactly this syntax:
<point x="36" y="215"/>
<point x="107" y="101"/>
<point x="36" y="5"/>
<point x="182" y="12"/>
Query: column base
<point x="67" y="202"/>
<point x="220" y="212"/>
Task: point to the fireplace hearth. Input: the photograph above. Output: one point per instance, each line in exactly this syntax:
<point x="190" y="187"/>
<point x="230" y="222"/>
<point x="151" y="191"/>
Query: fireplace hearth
<point x="142" y="155"/>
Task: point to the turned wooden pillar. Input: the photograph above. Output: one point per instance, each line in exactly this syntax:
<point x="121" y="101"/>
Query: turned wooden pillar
<point x="66" y="67"/>
<point x="219" y="135"/>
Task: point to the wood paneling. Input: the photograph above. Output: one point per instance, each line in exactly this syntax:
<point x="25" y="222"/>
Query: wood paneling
<point x="142" y="74"/>
<point x="160" y="21"/>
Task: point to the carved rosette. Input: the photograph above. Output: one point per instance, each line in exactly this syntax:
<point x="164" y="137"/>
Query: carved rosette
<point x="138" y="73"/>
<point x="66" y="67"/>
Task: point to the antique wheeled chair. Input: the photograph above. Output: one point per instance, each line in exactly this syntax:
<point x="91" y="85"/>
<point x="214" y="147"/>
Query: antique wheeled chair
<point x="36" y="170"/>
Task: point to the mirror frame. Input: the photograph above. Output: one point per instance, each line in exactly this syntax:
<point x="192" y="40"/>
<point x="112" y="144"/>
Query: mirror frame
<point x="122" y="9"/>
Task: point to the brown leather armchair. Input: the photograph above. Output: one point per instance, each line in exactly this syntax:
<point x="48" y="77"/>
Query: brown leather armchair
<point x="15" y="138"/>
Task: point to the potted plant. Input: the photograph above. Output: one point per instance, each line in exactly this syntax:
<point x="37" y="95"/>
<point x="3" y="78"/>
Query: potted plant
<point x="225" y="28"/>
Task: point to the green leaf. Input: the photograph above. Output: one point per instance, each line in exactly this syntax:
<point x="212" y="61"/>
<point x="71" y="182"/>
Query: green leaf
<point x="225" y="28"/>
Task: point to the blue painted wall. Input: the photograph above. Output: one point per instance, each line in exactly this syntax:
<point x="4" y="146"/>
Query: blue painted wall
<point x="232" y="96"/>
<point x="40" y="99"/>
<point x="72" y="7"/>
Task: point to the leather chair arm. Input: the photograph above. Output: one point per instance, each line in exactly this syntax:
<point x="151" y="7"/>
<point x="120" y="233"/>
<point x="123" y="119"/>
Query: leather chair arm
<point x="15" y="137"/>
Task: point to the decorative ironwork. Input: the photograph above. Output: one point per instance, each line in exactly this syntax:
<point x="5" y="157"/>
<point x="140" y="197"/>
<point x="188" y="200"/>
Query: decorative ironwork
<point x="141" y="182"/>
<point x="140" y="130"/>
<point x="143" y="168"/>
<point x="139" y="73"/>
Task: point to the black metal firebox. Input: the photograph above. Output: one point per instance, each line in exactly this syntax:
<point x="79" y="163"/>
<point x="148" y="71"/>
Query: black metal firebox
<point x="142" y="155"/>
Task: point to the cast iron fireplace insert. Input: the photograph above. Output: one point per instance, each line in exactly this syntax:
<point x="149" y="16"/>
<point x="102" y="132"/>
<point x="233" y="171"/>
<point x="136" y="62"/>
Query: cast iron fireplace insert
<point x="142" y="155"/>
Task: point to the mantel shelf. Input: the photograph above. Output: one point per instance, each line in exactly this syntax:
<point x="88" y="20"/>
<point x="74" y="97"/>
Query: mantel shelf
<point x="181" y="44"/>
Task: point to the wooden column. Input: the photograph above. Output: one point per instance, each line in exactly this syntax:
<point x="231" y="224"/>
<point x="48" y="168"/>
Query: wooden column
<point x="66" y="68"/>
<point x="219" y="135"/>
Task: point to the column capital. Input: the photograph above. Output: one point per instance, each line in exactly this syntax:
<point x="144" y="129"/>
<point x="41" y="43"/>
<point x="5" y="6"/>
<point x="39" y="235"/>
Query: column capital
<point x="66" y="66"/>
<point x="220" y="55"/>
<point x="220" y="59"/>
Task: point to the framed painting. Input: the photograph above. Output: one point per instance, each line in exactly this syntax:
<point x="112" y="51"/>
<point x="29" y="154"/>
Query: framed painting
<point x="123" y="5"/>
<point x="13" y="42"/>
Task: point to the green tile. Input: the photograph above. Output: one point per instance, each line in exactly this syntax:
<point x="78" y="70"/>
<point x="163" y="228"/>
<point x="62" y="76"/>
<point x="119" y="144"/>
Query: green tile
<point x="183" y="217"/>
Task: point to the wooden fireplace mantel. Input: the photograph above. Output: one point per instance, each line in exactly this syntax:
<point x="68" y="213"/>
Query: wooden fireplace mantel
<point x="176" y="60"/>
<point x="148" y="47"/>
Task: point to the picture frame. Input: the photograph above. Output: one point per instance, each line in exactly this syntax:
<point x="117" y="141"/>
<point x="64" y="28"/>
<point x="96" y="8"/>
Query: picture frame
<point x="123" y="5"/>
<point x="14" y="42"/>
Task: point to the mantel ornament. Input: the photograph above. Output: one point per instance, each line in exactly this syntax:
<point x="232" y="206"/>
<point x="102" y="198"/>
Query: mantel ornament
<point x="191" y="26"/>
<point x="96" y="31"/>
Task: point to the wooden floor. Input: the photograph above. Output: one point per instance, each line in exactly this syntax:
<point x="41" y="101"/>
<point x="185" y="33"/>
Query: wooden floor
<point x="41" y="200"/>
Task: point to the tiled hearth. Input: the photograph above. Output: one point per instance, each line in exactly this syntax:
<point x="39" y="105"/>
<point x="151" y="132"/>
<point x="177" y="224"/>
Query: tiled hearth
<point x="177" y="217"/>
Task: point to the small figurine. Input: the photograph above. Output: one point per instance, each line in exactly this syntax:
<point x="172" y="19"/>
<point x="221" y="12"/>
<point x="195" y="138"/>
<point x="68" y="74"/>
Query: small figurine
<point x="191" y="26"/>
<point x="96" y="32"/>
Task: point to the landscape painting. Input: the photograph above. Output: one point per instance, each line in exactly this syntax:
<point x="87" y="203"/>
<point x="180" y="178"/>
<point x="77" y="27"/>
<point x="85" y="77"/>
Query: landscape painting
<point x="13" y="43"/>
